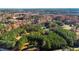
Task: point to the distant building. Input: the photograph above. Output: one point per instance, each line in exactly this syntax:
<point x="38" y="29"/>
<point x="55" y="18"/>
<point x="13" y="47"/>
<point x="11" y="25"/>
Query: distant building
<point x="66" y="27"/>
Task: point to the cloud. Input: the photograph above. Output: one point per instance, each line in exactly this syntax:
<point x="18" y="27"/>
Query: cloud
<point x="38" y="3"/>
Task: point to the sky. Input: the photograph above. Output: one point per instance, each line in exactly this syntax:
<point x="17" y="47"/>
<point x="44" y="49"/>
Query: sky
<point x="39" y="4"/>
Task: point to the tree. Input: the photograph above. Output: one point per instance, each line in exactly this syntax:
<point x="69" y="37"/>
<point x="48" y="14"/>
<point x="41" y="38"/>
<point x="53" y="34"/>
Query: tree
<point x="36" y="40"/>
<point x="1" y="26"/>
<point x="60" y="23"/>
<point x="8" y="39"/>
<point x="47" y="42"/>
<point x="21" y="42"/>
<point x="69" y="36"/>
<point x="54" y="41"/>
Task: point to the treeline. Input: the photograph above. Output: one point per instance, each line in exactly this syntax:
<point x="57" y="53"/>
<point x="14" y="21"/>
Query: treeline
<point x="36" y="36"/>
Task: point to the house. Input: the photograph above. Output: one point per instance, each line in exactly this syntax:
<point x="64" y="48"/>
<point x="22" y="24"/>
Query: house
<point x="67" y="27"/>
